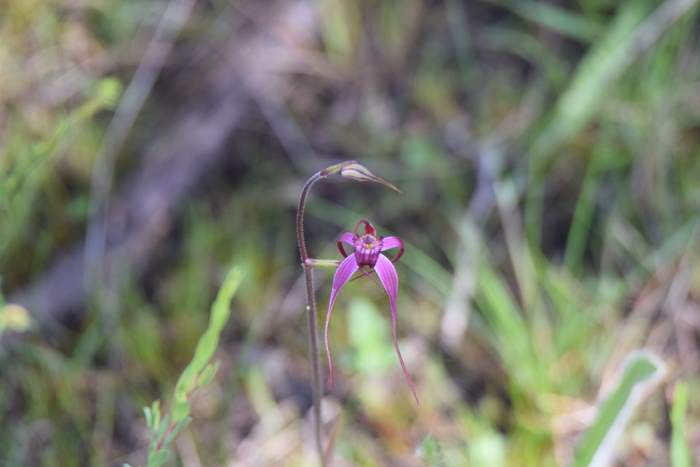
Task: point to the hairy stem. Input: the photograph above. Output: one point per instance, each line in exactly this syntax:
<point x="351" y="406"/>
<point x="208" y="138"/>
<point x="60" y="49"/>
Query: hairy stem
<point x="352" y="170"/>
<point x="311" y="313"/>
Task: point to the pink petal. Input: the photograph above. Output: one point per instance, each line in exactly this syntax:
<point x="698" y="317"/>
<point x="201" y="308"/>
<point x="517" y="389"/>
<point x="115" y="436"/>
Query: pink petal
<point x="393" y="242"/>
<point x="345" y="237"/>
<point x="342" y="275"/>
<point x="390" y="280"/>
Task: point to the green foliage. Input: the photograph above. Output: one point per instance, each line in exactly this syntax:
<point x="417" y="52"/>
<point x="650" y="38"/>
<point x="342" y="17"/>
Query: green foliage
<point x="340" y="28"/>
<point x="641" y="373"/>
<point x="556" y="19"/>
<point x="430" y="452"/>
<point x="370" y="336"/>
<point x="595" y="75"/>
<point x="680" y="451"/>
<point x="14" y="318"/>
<point x="162" y="431"/>
<point x="550" y="208"/>
<point x="198" y="373"/>
<point x="513" y="338"/>
<point x="27" y="165"/>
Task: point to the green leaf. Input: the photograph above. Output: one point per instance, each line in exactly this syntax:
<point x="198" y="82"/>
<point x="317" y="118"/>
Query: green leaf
<point x="153" y="415"/>
<point x="198" y="373"/>
<point x="181" y="425"/>
<point x="583" y="213"/>
<point x="208" y="374"/>
<point x="510" y="331"/>
<point x="641" y="374"/>
<point x="557" y="19"/>
<point x="680" y="452"/>
<point x="161" y="429"/>
<point x="430" y="452"/>
<point x="207" y="343"/>
<point x="181" y="408"/>
<point x="147" y="416"/>
<point x="157" y="459"/>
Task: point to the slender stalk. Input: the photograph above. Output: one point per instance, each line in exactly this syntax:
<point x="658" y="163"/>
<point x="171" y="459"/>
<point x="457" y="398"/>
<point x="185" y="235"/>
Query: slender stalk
<point x="311" y="313"/>
<point x="352" y="170"/>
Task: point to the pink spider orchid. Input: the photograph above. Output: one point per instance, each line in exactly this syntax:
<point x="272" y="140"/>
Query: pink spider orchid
<point x="367" y="258"/>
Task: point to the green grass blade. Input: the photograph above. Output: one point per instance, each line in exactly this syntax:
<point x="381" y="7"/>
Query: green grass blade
<point x="604" y="157"/>
<point x="593" y="78"/>
<point x="680" y="452"/>
<point x="557" y="19"/>
<point x="512" y="336"/>
<point x="601" y="66"/>
<point x="642" y="372"/>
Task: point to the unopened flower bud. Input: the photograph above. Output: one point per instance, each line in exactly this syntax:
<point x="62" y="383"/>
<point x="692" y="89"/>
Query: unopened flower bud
<point x="358" y="172"/>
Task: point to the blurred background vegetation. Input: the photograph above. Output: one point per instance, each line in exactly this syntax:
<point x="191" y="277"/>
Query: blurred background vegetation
<point x="548" y="154"/>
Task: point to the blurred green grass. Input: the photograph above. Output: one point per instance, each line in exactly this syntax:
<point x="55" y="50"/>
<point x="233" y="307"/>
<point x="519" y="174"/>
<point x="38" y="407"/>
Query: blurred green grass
<point x="550" y="176"/>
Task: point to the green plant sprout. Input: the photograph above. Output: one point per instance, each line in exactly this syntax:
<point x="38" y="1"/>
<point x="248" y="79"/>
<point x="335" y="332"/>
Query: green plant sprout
<point x="162" y="429"/>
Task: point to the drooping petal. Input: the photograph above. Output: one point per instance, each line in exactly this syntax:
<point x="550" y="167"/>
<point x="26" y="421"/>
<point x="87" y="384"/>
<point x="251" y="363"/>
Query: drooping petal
<point x="393" y="242"/>
<point x="342" y="275"/>
<point x="390" y="280"/>
<point x="345" y="237"/>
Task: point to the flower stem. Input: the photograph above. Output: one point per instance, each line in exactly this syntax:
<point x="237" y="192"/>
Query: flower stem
<point x="311" y="313"/>
<point x="359" y="173"/>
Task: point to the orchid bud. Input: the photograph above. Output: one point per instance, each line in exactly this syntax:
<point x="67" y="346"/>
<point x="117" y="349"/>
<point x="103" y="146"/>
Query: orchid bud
<point x="358" y="172"/>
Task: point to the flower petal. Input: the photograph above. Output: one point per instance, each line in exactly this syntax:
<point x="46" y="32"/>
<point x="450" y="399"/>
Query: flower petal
<point x="390" y="280"/>
<point x="345" y="237"/>
<point x="393" y="242"/>
<point x="342" y="275"/>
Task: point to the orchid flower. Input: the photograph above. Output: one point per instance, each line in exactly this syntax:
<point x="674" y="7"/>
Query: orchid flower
<point x="367" y="258"/>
